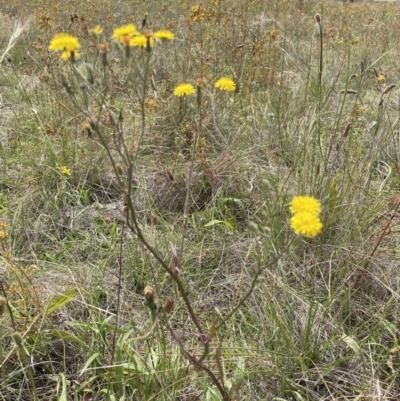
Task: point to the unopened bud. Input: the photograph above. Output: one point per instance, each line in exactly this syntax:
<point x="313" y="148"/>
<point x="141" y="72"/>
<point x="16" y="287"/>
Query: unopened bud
<point x="144" y="20"/>
<point x="318" y="18"/>
<point x="169" y="305"/>
<point x="148" y="34"/>
<point x="87" y="128"/>
<point x="149" y="293"/>
<point x="3" y="303"/>
<point x="119" y="169"/>
<point x="17" y="340"/>
<point x="104" y="50"/>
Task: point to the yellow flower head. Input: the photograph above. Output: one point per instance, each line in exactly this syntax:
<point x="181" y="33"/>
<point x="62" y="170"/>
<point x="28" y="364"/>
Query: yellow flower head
<point x="381" y="78"/>
<point x="125" y="32"/>
<point x="184" y="90"/>
<point x="225" y="84"/>
<point x="307" y="204"/>
<point x="97" y="30"/>
<point x="305" y="223"/>
<point x="164" y="35"/>
<point x="140" y="41"/>
<point x="64" y="170"/>
<point x="64" y="42"/>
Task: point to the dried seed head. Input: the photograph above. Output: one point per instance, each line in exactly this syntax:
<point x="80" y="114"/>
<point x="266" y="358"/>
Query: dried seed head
<point x="3" y="303"/>
<point x="318" y="18"/>
<point x="347" y="130"/>
<point x="388" y="89"/>
<point x="119" y="169"/>
<point x="362" y="66"/>
<point x="149" y="293"/>
<point x="168" y="306"/>
<point x="349" y="91"/>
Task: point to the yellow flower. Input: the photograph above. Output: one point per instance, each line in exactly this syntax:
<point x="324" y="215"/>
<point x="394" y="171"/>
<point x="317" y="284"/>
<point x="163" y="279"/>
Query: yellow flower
<point x="67" y="55"/>
<point x="164" y="35"/>
<point x="124" y="32"/>
<point x="307" y="204"/>
<point x="97" y="30"/>
<point x="184" y="90"/>
<point x="64" y="42"/>
<point x="380" y="78"/>
<point x="305" y="223"/>
<point x="64" y="170"/>
<point x="140" y="41"/>
<point x="225" y="84"/>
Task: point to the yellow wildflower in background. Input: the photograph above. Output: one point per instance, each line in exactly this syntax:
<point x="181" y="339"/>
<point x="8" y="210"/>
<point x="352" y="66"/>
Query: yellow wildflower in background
<point x="124" y="33"/>
<point x="184" y="90"/>
<point x="97" y="30"/>
<point x="64" y="170"/>
<point x="225" y="84"/>
<point x="67" y="44"/>
<point x="305" y="223"/>
<point x="140" y="41"/>
<point x="380" y="78"/>
<point x="67" y="55"/>
<point x="305" y="204"/>
<point x="164" y="35"/>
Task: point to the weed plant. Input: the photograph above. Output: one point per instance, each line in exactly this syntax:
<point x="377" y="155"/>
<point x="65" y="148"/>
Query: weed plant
<point x="153" y="245"/>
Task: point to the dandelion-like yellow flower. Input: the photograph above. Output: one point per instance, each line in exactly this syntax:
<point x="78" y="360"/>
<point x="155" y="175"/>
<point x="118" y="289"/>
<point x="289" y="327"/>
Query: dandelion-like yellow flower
<point x="307" y="204"/>
<point x="64" y="170"/>
<point x="64" y="42"/>
<point x="305" y="223"/>
<point x="225" y="84"/>
<point x="67" y="44"/>
<point x="140" y="41"/>
<point x="97" y="30"/>
<point x="124" y="33"/>
<point x="184" y="90"/>
<point x="164" y="35"/>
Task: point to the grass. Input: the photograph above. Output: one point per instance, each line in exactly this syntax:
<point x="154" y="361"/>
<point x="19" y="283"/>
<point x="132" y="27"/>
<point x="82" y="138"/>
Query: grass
<point x="146" y="248"/>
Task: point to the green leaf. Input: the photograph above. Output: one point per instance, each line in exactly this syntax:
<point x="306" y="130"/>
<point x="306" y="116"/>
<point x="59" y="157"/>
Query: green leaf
<point x="63" y="396"/>
<point x="239" y="374"/>
<point x="213" y="395"/>
<point x="60" y="301"/>
<point x="89" y="362"/>
<point x="65" y="335"/>
<point x="228" y="225"/>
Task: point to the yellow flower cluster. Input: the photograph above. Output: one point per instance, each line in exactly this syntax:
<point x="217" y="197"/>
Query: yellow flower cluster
<point x="131" y="37"/>
<point x="67" y="44"/>
<point x="305" y="220"/>
<point x="128" y="35"/>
